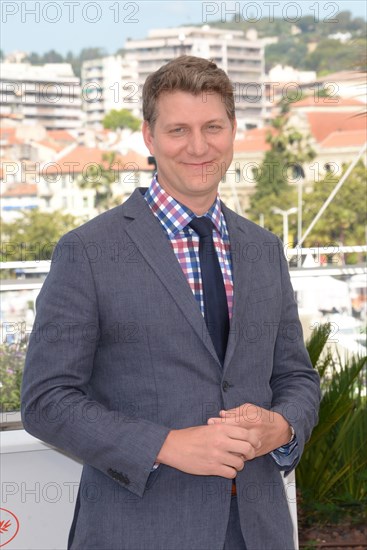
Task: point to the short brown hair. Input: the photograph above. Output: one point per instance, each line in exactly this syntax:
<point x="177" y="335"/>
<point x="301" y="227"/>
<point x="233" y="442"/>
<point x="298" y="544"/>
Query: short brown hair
<point x="187" y="74"/>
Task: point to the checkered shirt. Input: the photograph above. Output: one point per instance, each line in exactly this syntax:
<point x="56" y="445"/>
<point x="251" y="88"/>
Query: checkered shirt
<point x="175" y="218"/>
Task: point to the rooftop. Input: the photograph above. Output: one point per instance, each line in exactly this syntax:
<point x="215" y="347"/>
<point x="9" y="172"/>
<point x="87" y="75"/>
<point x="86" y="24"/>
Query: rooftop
<point x="322" y="124"/>
<point x="21" y="190"/>
<point x="325" y="102"/>
<point x="80" y="156"/>
<point x="254" y="140"/>
<point x="341" y="139"/>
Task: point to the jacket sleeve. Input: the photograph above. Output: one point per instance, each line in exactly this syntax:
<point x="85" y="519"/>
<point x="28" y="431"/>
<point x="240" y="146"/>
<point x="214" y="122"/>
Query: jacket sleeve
<point x="295" y="383"/>
<point x="55" y="403"/>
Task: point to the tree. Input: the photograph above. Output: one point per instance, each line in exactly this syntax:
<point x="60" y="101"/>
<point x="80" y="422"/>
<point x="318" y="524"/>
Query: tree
<point x="33" y="236"/>
<point x="116" y="120"/>
<point x="52" y="57"/>
<point x="281" y="166"/>
<point x="86" y="54"/>
<point x="343" y="222"/>
<point x="288" y="51"/>
<point x="34" y="59"/>
<point x="101" y="178"/>
<point x="307" y="24"/>
<point x="331" y="476"/>
<point x="331" y="55"/>
<point x="49" y="57"/>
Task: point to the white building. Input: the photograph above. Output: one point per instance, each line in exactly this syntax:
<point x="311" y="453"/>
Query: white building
<point x="17" y="199"/>
<point x="242" y="59"/>
<point x="59" y="181"/>
<point x="47" y="94"/>
<point x="108" y="83"/>
<point x="284" y="74"/>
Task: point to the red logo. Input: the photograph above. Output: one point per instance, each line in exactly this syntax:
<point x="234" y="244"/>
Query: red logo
<point x="9" y="526"/>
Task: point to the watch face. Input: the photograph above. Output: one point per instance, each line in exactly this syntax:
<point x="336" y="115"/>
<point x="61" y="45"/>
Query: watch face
<point x="293" y="434"/>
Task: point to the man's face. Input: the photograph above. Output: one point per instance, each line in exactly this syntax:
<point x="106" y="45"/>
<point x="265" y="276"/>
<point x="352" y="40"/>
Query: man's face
<point x="192" y="142"/>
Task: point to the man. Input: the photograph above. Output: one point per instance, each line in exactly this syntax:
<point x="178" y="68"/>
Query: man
<point x="183" y="413"/>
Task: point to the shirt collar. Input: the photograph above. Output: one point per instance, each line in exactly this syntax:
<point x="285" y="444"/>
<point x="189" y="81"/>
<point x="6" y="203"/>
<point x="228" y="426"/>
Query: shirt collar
<point x="175" y="216"/>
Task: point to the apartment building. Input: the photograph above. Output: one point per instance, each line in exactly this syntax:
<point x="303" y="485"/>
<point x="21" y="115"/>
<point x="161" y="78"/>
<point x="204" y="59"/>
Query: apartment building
<point x="47" y="95"/>
<point x="116" y="82"/>
<point x="241" y="57"/>
<point x="108" y="83"/>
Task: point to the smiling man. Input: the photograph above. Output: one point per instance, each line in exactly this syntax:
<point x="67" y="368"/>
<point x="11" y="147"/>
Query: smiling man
<point x="193" y="141"/>
<point x="186" y="344"/>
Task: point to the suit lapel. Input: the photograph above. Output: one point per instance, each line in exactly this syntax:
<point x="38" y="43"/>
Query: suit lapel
<point x="242" y="252"/>
<point x="145" y="231"/>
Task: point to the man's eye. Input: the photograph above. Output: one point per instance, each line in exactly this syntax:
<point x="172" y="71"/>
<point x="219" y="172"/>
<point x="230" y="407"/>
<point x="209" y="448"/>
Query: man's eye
<point x="214" y="127"/>
<point x="177" y="130"/>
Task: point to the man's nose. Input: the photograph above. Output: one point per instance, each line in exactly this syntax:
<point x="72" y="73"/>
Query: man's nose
<point x="197" y="144"/>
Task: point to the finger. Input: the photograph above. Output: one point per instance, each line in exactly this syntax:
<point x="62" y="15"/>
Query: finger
<point x="215" y="420"/>
<point x="234" y="461"/>
<point x="242" y="449"/>
<point x="249" y="416"/>
<point x="227" y="472"/>
<point x="232" y="415"/>
<point x="230" y="412"/>
<point x="239" y="433"/>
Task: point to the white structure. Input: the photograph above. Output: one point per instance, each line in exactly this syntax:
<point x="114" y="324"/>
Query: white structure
<point x="108" y="83"/>
<point x="47" y="94"/>
<point x="40" y="485"/>
<point x="18" y="198"/>
<point x="348" y="84"/>
<point x="240" y="57"/>
<point x="59" y="181"/>
<point x="284" y="74"/>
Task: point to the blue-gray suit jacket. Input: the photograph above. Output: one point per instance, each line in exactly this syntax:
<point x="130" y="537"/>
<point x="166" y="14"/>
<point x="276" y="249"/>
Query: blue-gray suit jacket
<point x="120" y="355"/>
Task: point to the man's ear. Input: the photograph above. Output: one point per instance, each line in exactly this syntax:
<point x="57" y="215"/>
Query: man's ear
<point x="234" y="128"/>
<point x="148" y="136"/>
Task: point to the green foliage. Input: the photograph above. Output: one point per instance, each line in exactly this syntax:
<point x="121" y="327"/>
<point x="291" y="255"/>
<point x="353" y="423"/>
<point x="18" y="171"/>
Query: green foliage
<point x="33" y="236"/>
<point x="344" y="219"/>
<point x="345" y="22"/>
<point x="294" y="49"/>
<point x="116" y="120"/>
<point x="290" y="50"/>
<point x="331" y="55"/>
<point x="49" y="57"/>
<point x="282" y="165"/>
<point x="315" y="25"/>
<point x="86" y="54"/>
<point x="332" y="473"/>
<point x="75" y="60"/>
<point x="12" y="357"/>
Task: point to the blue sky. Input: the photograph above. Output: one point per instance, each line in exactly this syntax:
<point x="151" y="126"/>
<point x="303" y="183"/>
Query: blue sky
<point x="65" y="25"/>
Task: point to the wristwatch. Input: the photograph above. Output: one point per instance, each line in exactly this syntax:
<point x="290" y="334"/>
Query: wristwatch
<point x="293" y="434"/>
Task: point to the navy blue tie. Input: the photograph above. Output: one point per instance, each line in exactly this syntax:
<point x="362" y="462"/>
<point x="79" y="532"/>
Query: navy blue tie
<point x="215" y="298"/>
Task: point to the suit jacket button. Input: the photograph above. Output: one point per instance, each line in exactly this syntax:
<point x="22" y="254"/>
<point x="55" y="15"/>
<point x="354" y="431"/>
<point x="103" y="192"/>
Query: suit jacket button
<point x="118" y="476"/>
<point x="225" y="385"/>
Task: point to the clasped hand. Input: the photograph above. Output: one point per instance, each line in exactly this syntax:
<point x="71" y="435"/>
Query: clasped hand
<point x="223" y="446"/>
<point x="269" y="427"/>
